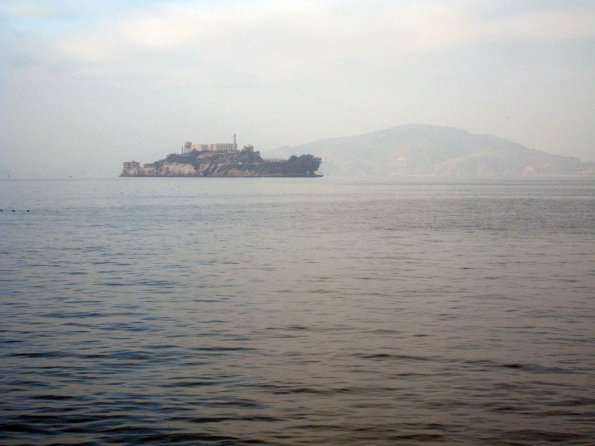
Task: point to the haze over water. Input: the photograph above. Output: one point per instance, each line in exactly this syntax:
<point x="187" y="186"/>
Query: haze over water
<point x="297" y="311"/>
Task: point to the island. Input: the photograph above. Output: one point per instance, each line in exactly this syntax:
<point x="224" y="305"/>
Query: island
<point x="223" y="160"/>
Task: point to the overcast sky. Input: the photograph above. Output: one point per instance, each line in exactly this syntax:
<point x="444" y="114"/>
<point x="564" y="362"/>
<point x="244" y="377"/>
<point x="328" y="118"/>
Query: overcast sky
<point x="87" y="84"/>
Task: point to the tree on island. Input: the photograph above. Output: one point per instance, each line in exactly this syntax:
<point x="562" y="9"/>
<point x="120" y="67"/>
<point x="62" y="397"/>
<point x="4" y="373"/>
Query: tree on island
<point x="307" y="164"/>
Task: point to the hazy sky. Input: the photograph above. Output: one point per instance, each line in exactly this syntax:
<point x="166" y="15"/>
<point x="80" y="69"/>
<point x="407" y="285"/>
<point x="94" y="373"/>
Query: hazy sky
<point x="87" y="84"/>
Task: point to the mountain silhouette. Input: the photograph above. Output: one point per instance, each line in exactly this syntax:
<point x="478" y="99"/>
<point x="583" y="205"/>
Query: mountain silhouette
<point x="418" y="149"/>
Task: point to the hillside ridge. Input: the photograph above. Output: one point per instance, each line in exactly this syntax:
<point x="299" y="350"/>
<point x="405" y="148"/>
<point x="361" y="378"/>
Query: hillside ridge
<point x="423" y="149"/>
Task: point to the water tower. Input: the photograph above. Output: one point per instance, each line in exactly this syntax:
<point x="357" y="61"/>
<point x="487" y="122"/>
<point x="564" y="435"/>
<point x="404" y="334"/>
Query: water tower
<point x="187" y="147"/>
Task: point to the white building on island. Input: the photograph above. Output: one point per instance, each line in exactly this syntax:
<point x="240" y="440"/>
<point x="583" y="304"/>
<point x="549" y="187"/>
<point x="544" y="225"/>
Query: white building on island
<point x="129" y="165"/>
<point x="217" y="147"/>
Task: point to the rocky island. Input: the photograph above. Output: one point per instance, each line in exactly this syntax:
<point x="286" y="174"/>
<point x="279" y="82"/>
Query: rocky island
<point x="223" y="160"/>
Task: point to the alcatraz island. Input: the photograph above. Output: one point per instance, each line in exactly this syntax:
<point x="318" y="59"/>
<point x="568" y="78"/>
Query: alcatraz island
<point x="223" y="160"/>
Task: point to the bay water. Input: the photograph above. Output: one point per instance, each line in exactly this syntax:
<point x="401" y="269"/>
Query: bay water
<point x="293" y="311"/>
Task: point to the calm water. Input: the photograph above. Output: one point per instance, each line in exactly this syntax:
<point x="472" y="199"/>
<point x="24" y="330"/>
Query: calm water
<point x="297" y="311"/>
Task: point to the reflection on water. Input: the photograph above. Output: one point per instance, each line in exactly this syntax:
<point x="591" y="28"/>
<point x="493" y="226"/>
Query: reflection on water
<point x="297" y="311"/>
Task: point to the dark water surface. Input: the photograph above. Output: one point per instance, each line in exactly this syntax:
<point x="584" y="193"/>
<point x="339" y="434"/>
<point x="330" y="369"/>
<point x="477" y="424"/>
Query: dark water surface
<point x="297" y="311"/>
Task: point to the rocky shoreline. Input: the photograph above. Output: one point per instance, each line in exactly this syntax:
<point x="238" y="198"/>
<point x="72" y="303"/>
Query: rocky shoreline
<point x="225" y="164"/>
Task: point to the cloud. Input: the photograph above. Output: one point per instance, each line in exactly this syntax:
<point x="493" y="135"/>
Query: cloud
<point x="267" y="41"/>
<point x="284" y="37"/>
<point x="547" y="27"/>
<point x="26" y="9"/>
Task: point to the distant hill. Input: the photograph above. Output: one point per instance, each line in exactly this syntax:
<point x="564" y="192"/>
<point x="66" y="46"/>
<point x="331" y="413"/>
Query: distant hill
<point x="433" y="150"/>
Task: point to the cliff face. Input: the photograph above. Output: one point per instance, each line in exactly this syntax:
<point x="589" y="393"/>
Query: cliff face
<point x="227" y="164"/>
